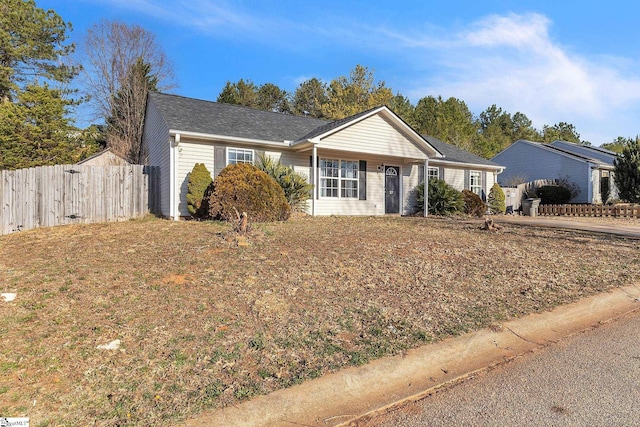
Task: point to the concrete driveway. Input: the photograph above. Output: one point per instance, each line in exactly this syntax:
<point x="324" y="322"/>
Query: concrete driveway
<point x="631" y="230"/>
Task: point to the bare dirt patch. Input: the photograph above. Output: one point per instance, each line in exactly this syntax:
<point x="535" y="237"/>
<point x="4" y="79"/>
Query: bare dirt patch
<point x="203" y="323"/>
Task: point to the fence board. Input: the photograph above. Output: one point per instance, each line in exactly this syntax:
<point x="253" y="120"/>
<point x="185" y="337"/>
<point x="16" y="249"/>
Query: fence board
<point x="614" y="211"/>
<point x="72" y="194"/>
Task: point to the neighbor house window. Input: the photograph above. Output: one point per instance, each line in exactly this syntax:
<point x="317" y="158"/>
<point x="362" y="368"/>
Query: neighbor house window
<point x="239" y="155"/>
<point x="475" y="182"/>
<point x="338" y="178"/>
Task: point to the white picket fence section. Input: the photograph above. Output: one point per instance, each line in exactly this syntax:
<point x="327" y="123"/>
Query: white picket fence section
<point x="46" y="196"/>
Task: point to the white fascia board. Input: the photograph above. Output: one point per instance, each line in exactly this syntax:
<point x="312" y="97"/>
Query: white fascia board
<point x="466" y="165"/>
<point x="232" y="139"/>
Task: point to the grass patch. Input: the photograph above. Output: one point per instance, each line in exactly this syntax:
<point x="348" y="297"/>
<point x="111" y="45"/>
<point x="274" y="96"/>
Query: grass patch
<point x="205" y="325"/>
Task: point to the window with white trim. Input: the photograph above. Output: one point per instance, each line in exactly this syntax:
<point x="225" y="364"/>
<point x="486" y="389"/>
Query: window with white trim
<point x="239" y="155"/>
<point x="338" y="178"/>
<point x="434" y="173"/>
<point x="475" y="182"/>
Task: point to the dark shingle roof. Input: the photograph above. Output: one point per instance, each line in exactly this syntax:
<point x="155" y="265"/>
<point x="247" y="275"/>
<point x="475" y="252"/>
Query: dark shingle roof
<point x="455" y="154"/>
<point x="215" y="118"/>
<point x="566" y="152"/>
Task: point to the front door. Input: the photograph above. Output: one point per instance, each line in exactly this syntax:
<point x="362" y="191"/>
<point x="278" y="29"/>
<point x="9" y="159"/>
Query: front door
<point x="392" y="189"/>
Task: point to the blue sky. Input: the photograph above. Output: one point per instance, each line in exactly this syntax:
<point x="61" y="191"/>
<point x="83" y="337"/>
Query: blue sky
<point x="572" y="61"/>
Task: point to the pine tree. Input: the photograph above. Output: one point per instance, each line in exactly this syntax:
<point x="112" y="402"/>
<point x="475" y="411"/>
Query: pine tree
<point x="627" y="172"/>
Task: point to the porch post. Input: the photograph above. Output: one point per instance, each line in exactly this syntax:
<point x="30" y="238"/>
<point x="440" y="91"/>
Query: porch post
<point x="314" y="165"/>
<point x="426" y="187"/>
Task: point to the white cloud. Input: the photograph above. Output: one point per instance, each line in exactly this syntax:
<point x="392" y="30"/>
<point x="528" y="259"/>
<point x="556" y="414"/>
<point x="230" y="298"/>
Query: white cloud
<point x="512" y="61"/>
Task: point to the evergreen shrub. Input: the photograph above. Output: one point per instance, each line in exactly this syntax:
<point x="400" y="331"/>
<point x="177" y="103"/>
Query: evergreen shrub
<point x="297" y="189"/>
<point x="553" y="194"/>
<point x="473" y="204"/>
<point x="199" y="181"/>
<point x="496" y="201"/>
<point x="443" y="198"/>
<point x="245" y="188"/>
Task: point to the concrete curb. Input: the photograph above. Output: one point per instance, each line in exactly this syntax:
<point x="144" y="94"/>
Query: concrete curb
<point x="341" y="398"/>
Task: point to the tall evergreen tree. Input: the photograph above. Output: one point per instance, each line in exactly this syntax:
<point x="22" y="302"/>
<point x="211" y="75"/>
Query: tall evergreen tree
<point x="35" y="124"/>
<point x="309" y="98"/>
<point x="627" y="172"/>
<point x="358" y="92"/>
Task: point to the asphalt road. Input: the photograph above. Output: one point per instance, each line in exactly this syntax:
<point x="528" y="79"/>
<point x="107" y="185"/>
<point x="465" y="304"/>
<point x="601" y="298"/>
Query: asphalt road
<point x="589" y="379"/>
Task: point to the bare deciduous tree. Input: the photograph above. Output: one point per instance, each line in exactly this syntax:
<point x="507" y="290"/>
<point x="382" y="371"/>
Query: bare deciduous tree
<point x="111" y="52"/>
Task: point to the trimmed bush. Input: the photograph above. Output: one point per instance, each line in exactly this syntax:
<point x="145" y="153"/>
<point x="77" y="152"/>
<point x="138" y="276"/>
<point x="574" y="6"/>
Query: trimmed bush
<point x="247" y="189"/>
<point x="443" y="198"/>
<point x="496" y="201"/>
<point x="473" y="204"/>
<point x="199" y="181"/>
<point x="553" y="195"/>
<point x="297" y="189"/>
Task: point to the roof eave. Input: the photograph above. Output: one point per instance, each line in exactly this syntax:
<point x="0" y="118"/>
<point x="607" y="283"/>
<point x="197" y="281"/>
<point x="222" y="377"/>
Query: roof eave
<point x="228" y="138"/>
<point x="466" y="164"/>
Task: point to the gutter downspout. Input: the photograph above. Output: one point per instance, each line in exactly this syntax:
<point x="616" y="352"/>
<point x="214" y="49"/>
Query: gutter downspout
<point x="314" y="165"/>
<point x="590" y="183"/>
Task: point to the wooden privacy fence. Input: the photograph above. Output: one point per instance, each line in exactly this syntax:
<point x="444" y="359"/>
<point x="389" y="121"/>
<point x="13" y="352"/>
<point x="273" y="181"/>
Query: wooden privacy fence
<point x="617" y="211"/>
<point x="73" y="194"/>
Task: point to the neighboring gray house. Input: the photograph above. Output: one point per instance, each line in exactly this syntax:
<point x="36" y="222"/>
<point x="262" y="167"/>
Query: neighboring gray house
<point x="590" y="168"/>
<point x="366" y="164"/>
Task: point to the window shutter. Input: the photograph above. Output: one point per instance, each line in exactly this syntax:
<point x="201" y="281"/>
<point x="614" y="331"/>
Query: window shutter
<point x="362" y="180"/>
<point x="421" y="175"/>
<point x="441" y="173"/>
<point x="466" y="179"/>
<point x="219" y="160"/>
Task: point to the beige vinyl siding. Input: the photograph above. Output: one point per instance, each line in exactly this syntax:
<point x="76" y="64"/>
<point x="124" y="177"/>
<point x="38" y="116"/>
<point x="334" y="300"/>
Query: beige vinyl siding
<point x="454" y="177"/>
<point x="373" y="136"/>
<point x="188" y="154"/>
<point x="410" y="179"/>
<point x="491" y="179"/>
<point x="158" y="144"/>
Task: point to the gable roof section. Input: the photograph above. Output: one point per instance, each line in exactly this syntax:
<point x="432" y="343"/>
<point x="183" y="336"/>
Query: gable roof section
<point x="216" y="118"/>
<point x="557" y="150"/>
<point x="599" y="154"/>
<point x="458" y="155"/>
<point x="389" y="129"/>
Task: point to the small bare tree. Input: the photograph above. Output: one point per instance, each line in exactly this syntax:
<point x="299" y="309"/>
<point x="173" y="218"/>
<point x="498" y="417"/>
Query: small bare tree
<point x="114" y="56"/>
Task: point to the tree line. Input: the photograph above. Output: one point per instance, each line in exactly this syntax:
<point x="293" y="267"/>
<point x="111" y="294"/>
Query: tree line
<point x="115" y="65"/>
<point x="450" y="119"/>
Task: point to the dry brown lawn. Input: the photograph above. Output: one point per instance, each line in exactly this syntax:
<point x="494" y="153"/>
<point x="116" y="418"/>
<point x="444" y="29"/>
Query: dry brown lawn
<point x="203" y="323"/>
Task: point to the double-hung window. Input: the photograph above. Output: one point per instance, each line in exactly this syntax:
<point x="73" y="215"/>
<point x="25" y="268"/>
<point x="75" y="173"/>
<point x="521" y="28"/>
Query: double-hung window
<point x="475" y="182"/>
<point x="239" y="155"/>
<point x="338" y="178"/>
<point x="434" y="173"/>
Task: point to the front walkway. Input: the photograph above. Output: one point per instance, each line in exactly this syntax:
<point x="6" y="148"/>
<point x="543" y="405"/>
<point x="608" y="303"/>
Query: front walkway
<point x="627" y="228"/>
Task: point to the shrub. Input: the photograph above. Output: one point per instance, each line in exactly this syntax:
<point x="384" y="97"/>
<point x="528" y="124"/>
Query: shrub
<point x="199" y="180"/>
<point x="554" y="194"/>
<point x="473" y="204"/>
<point x="247" y="189"/>
<point x="443" y="198"/>
<point x="297" y="189"/>
<point x="496" y="200"/>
